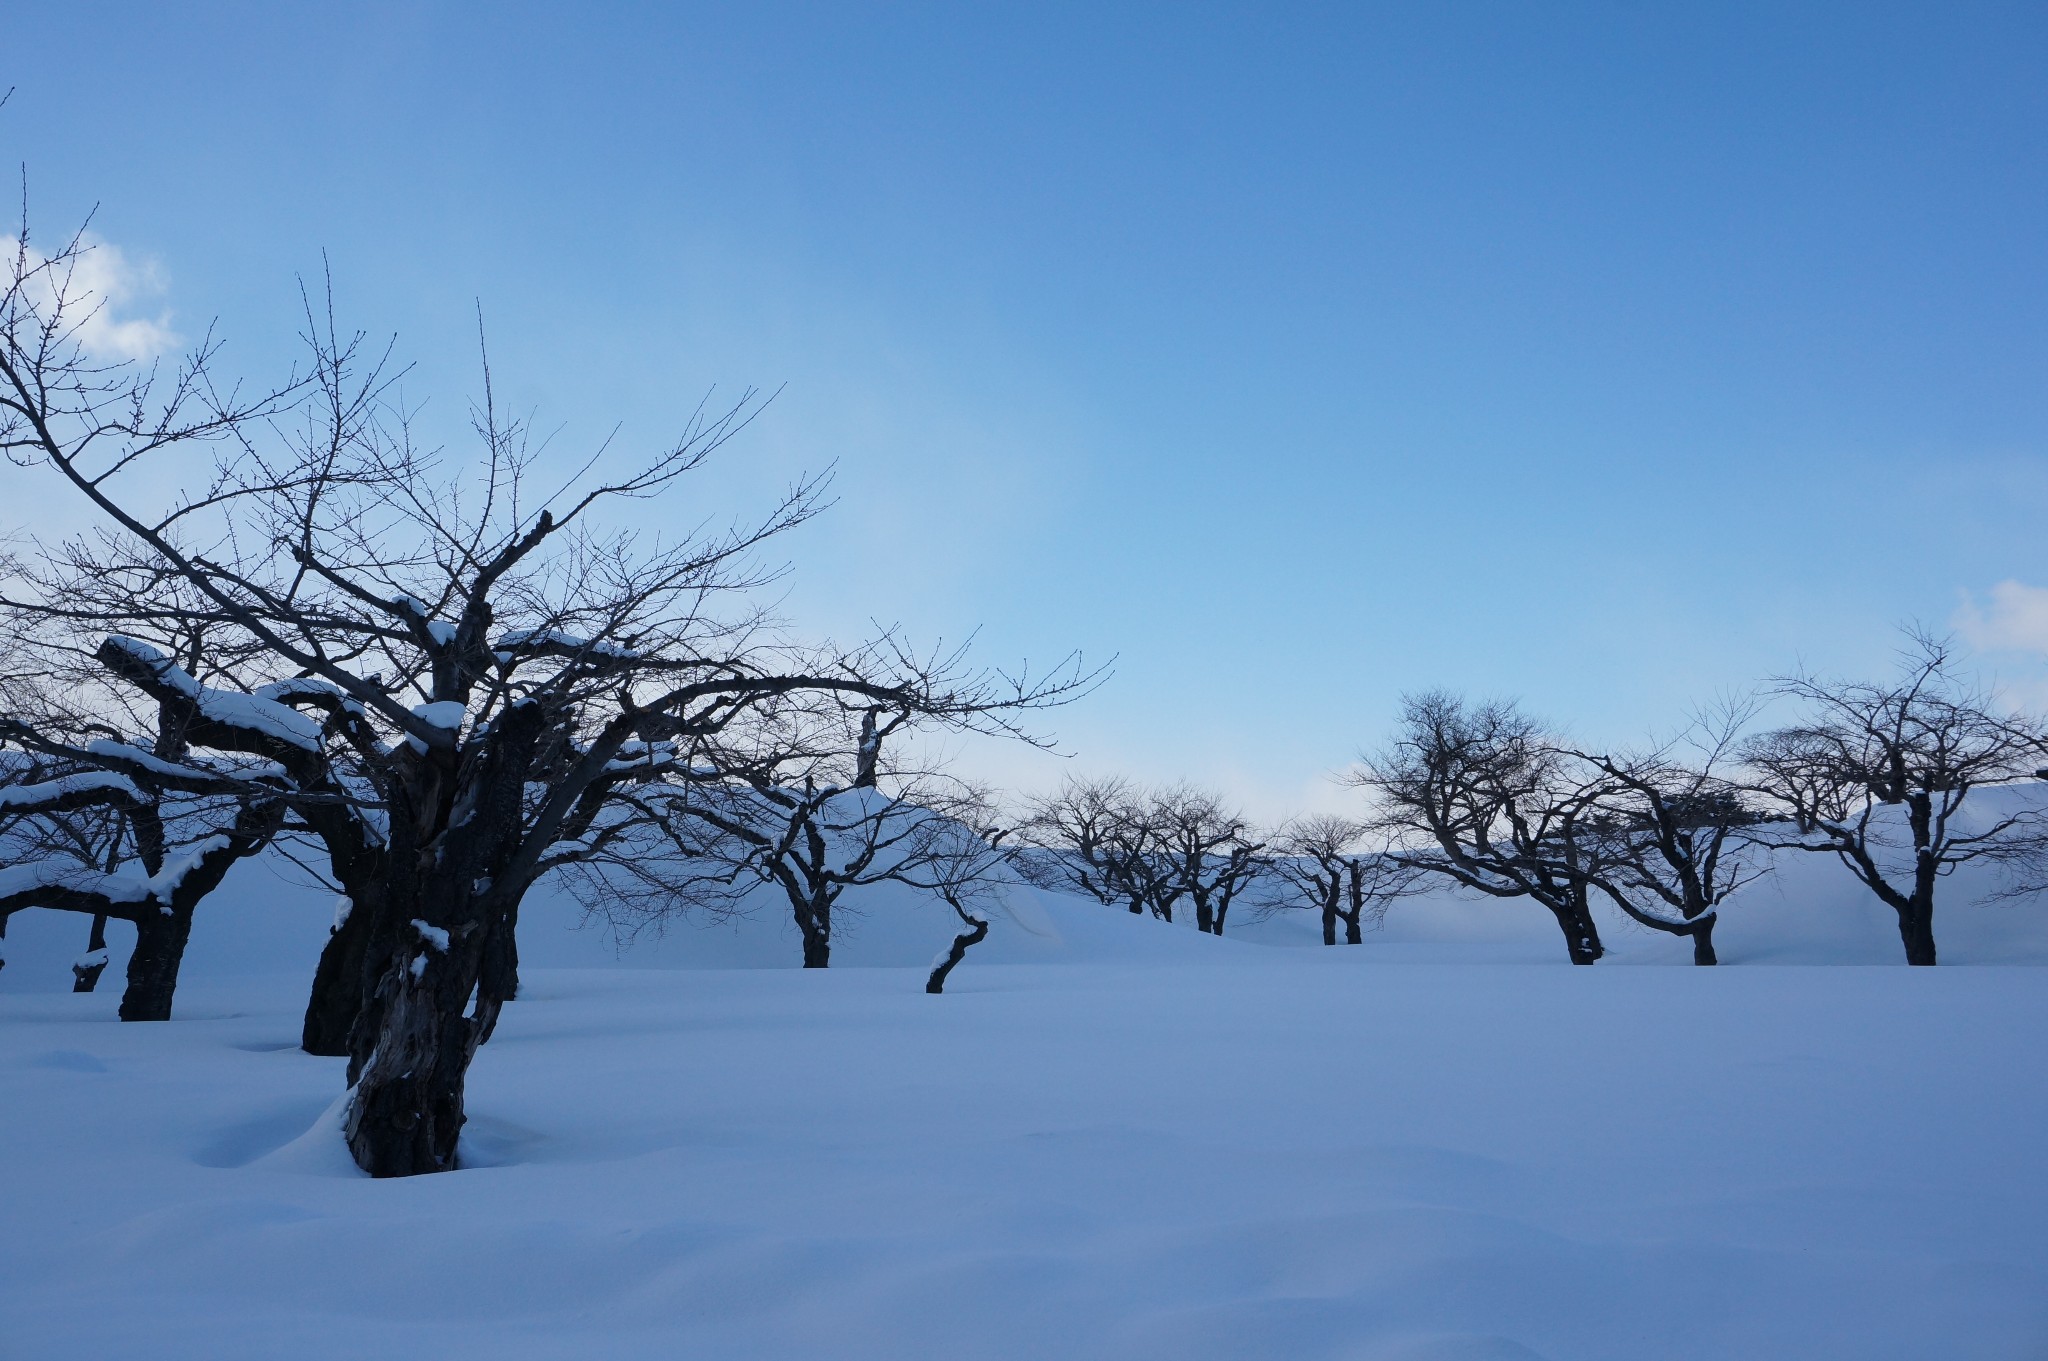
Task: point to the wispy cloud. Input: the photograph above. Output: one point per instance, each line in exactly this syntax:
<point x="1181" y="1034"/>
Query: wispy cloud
<point x="2013" y="619"/>
<point x="101" y="286"/>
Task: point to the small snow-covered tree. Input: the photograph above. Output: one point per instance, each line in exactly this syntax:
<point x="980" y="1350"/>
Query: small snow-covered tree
<point x="69" y="838"/>
<point x="136" y="795"/>
<point x="810" y="810"/>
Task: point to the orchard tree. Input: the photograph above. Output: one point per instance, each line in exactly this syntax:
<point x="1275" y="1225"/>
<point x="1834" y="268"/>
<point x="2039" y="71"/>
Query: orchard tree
<point x="1090" y="837"/>
<point x="69" y="841"/>
<point x="453" y="671"/>
<point x="1322" y="863"/>
<point x="1206" y="852"/>
<point x="128" y="796"/>
<point x="1877" y="774"/>
<point x="1143" y="850"/>
<point x="807" y="808"/>
<point x="1678" y="833"/>
<point x="1480" y="794"/>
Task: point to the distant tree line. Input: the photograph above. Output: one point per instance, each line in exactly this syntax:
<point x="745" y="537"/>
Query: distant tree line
<point x="1483" y="798"/>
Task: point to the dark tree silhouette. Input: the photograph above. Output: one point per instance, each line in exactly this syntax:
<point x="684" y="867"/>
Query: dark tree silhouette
<point x="1877" y="775"/>
<point x="1322" y="863"/>
<point x="1677" y="832"/>
<point x="450" y="675"/>
<point x="1482" y="795"/>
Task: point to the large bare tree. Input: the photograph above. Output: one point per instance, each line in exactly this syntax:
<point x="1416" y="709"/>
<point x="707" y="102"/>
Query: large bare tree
<point x="1877" y="774"/>
<point x="451" y="672"/>
<point x="1677" y="831"/>
<point x="1482" y="795"/>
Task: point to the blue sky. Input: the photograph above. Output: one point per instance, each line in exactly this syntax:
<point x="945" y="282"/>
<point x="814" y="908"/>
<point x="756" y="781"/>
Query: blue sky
<point x="1606" y="355"/>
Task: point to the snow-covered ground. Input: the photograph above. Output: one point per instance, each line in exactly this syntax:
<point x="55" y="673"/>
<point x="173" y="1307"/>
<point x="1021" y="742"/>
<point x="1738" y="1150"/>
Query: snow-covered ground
<point x="1111" y="1138"/>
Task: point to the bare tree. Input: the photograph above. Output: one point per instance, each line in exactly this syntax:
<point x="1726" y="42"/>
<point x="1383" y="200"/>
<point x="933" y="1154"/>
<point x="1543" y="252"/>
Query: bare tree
<point x="453" y="675"/>
<point x="136" y="795"/>
<point x="66" y="839"/>
<point x="1481" y="795"/>
<point x="809" y="811"/>
<point x="1677" y="832"/>
<point x="967" y="867"/>
<point x="1090" y="837"/>
<point x="1206" y="852"/>
<point x="1143" y="850"/>
<point x="1323" y="864"/>
<point x="88" y="826"/>
<point x="812" y="840"/>
<point x="1877" y="775"/>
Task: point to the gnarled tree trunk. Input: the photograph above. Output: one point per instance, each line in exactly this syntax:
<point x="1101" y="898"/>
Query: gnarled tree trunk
<point x="1581" y="936"/>
<point x="339" y="982"/>
<point x="453" y="828"/>
<point x="160" y="938"/>
<point x="977" y="930"/>
<point x="1703" y="941"/>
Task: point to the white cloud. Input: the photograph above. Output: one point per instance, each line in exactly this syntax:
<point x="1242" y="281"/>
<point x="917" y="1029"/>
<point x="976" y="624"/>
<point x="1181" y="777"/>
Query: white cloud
<point x="2015" y="619"/>
<point x="100" y="286"/>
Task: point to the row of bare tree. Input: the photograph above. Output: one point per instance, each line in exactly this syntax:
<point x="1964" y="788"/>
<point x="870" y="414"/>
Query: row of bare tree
<point x="1483" y="798"/>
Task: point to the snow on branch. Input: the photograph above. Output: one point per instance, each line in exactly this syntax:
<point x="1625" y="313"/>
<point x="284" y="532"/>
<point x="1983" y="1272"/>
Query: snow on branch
<point x="310" y="688"/>
<point x="553" y="642"/>
<point x="69" y="791"/>
<point x="230" y="709"/>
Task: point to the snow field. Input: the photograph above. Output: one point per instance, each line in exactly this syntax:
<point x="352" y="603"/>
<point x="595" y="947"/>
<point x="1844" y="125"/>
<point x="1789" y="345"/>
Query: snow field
<point x="1316" y="1153"/>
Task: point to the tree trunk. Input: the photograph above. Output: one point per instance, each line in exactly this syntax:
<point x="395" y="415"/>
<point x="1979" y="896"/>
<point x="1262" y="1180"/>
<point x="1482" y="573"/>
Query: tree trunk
<point x="407" y="1112"/>
<point x="86" y="970"/>
<point x="160" y="938"/>
<point x="1916" y="929"/>
<point x="1581" y="936"/>
<point x="1703" y="941"/>
<point x="814" y="924"/>
<point x="338" y="984"/>
<point x="1329" y="921"/>
<point x="498" y="977"/>
<point x="454" y="828"/>
<point x="1353" y="932"/>
<point x="958" y="951"/>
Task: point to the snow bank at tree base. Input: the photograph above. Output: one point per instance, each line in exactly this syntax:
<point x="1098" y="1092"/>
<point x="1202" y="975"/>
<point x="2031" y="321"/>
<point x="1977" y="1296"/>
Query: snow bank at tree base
<point x="1301" y="1154"/>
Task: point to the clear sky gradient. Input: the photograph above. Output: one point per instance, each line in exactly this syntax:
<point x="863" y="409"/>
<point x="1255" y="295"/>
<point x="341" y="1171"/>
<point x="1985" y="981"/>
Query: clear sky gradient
<point x="1609" y="355"/>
